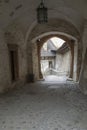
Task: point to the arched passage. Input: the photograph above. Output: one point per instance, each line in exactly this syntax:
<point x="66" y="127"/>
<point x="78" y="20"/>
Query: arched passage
<point x="39" y="43"/>
<point x="41" y="33"/>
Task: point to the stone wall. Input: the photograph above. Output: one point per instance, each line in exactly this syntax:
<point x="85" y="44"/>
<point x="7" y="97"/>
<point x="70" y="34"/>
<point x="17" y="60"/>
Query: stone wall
<point x="63" y="62"/>
<point x="4" y="64"/>
<point x="83" y="74"/>
<point x="12" y="36"/>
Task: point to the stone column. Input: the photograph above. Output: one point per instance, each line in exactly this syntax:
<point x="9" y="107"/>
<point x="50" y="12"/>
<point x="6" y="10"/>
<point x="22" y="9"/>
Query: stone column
<point x="39" y="45"/>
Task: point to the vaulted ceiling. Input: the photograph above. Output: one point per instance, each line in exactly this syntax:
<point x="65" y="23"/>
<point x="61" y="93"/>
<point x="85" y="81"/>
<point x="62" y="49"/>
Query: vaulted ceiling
<point x="25" y="10"/>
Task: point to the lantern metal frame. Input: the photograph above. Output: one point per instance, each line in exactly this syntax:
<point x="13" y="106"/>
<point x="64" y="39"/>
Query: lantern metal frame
<point x="42" y="13"/>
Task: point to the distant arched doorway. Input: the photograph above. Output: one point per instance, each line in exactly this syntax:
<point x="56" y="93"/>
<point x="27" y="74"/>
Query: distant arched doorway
<point x="54" y="28"/>
<point x="55" y="60"/>
<point x="70" y="42"/>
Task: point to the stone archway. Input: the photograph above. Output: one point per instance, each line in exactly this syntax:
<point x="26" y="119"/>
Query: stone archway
<point x="60" y="28"/>
<point x="39" y="43"/>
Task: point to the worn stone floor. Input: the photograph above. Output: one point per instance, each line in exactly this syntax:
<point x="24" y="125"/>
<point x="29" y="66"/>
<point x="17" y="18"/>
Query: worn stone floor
<point x="55" y="78"/>
<point x="44" y="106"/>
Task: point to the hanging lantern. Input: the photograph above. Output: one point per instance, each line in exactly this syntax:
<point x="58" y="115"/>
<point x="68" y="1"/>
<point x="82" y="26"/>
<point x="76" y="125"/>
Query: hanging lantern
<point x="42" y="13"/>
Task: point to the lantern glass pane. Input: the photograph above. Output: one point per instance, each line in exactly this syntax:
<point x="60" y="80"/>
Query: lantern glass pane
<point x="41" y="14"/>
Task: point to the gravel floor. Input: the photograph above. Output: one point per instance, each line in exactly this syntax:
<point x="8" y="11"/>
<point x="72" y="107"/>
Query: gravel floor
<point x="44" y="106"/>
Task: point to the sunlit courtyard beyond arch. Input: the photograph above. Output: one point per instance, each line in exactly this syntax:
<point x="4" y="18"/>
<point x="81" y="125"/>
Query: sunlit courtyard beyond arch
<point x="55" y="60"/>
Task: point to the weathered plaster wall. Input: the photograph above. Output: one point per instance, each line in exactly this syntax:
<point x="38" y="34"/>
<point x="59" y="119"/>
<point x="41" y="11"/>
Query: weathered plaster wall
<point x="58" y="9"/>
<point x="12" y="35"/>
<point x="83" y="74"/>
<point x="58" y="61"/>
<point x="63" y="62"/>
<point x="66" y="61"/>
<point x="4" y="64"/>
